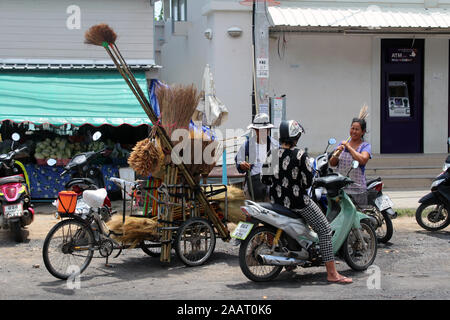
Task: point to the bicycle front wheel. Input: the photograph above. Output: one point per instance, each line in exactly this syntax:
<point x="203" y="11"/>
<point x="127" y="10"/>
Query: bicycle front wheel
<point x="68" y="248"/>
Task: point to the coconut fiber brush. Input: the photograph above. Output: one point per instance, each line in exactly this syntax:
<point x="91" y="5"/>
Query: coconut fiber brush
<point x="103" y="35"/>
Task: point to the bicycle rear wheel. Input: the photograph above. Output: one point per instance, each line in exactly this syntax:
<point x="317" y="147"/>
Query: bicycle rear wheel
<point x="68" y="248"/>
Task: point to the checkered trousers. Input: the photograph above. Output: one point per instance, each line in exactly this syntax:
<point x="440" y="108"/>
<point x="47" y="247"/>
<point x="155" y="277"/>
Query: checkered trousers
<point x="318" y="222"/>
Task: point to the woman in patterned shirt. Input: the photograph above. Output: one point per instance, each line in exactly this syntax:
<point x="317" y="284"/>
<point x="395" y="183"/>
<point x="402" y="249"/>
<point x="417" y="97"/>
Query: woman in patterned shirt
<point x="289" y="181"/>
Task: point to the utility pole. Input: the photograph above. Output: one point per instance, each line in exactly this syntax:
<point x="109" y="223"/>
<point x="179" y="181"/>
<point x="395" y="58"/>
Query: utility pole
<point x="261" y="41"/>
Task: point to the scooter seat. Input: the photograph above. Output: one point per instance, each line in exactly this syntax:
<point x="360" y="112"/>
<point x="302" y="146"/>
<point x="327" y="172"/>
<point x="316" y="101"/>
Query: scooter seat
<point x="372" y="181"/>
<point x="12" y="179"/>
<point x="280" y="210"/>
<point x="333" y="183"/>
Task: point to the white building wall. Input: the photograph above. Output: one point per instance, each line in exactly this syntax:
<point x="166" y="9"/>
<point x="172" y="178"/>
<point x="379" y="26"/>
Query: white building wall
<point x="32" y="29"/>
<point x="436" y="95"/>
<point x="397" y="3"/>
<point x="326" y="79"/>
<point x="184" y="57"/>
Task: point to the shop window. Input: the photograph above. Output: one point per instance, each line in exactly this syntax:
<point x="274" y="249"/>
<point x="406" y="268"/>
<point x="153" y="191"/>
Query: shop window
<point x="179" y="8"/>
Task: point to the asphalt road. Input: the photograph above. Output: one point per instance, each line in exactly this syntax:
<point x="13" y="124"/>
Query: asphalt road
<point x="415" y="265"/>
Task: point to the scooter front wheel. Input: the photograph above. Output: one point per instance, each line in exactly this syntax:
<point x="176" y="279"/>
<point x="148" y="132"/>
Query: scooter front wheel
<point x="360" y="253"/>
<point x="259" y="241"/>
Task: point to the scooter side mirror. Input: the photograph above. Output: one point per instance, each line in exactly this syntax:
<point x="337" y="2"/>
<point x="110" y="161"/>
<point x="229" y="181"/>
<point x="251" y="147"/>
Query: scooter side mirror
<point x="51" y="162"/>
<point x="97" y="135"/>
<point x="331" y="141"/>
<point x="15" y="136"/>
<point x="355" y="164"/>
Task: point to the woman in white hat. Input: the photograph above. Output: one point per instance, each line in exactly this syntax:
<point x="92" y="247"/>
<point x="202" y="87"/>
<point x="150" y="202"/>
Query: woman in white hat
<point x="253" y="154"/>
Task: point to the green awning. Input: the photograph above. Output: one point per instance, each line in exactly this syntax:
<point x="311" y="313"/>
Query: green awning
<point x="75" y="97"/>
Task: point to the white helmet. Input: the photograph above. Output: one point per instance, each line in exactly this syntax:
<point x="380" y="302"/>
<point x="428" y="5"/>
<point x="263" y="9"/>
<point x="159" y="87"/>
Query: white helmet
<point x="261" y="121"/>
<point x="290" y="131"/>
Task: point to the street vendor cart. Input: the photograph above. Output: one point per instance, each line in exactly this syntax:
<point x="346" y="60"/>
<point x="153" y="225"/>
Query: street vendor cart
<point x="87" y="230"/>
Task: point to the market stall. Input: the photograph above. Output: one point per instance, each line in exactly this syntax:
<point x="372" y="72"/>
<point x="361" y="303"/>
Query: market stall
<point x="56" y="114"/>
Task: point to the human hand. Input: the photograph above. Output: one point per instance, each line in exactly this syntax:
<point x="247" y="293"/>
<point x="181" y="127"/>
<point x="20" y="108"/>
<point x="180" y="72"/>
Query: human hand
<point x="244" y="166"/>
<point x="343" y="145"/>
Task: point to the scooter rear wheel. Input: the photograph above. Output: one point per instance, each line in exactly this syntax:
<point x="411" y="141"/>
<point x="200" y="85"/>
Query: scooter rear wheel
<point x="385" y="229"/>
<point x="259" y="241"/>
<point x="359" y="256"/>
<point x="432" y="216"/>
<point x="16" y="230"/>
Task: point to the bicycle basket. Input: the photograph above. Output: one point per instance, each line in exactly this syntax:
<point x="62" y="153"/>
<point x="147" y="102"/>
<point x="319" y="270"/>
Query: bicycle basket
<point x="67" y="201"/>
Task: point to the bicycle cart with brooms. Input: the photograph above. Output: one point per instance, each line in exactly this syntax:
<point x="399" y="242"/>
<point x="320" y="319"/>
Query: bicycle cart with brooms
<point x="87" y="230"/>
<point x="184" y="214"/>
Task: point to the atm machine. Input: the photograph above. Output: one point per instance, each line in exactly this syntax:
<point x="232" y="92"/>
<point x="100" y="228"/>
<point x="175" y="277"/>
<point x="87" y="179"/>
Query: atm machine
<point x="399" y="104"/>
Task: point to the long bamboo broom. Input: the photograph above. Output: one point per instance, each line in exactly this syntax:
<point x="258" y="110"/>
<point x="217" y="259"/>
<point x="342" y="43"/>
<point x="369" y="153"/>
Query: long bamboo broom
<point x="103" y="35"/>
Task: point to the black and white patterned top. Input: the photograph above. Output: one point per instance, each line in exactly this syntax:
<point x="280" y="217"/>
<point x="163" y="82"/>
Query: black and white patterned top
<point x="289" y="179"/>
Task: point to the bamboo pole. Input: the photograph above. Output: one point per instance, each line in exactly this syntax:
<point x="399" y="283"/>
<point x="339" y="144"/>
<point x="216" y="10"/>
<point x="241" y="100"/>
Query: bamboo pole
<point x="172" y="174"/>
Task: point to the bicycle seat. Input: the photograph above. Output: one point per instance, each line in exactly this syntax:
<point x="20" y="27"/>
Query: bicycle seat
<point x="95" y="198"/>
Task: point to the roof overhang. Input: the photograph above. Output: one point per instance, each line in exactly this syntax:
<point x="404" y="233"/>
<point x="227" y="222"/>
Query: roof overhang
<point x="71" y="97"/>
<point x="47" y="64"/>
<point x="296" y="17"/>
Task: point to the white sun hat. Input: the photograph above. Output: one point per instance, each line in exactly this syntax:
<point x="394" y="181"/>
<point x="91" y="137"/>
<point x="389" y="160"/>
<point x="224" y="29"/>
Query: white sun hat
<point x="261" y="121"/>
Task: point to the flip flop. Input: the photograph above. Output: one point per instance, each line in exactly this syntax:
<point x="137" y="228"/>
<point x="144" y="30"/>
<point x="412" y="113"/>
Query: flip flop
<point x="343" y="280"/>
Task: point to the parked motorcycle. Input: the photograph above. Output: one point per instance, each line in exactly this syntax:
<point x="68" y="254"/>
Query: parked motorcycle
<point x="83" y="175"/>
<point x="379" y="206"/>
<point x="433" y="211"/>
<point x="273" y="236"/>
<point x="16" y="210"/>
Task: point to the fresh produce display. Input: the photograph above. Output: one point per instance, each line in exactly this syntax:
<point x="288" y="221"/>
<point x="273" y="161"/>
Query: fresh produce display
<point x="61" y="148"/>
<point x="58" y="148"/>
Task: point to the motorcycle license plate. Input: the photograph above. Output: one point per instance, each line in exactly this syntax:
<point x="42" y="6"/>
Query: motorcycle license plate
<point x="242" y="230"/>
<point x="383" y="202"/>
<point x="14" y="210"/>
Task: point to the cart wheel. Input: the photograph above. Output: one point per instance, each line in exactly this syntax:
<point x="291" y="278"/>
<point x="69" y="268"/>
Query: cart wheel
<point x="196" y="241"/>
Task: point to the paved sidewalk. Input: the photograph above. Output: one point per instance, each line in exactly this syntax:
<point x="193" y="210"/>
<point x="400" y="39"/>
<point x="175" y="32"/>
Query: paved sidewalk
<point x="406" y="199"/>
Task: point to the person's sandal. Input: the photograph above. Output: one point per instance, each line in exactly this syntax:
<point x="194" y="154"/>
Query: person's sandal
<point x="343" y="280"/>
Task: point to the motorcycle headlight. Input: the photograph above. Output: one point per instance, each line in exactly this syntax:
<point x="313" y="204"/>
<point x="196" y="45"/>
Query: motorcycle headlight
<point x="436" y="183"/>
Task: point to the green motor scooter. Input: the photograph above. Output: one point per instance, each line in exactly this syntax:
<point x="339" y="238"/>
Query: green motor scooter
<point x="273" y="237"/>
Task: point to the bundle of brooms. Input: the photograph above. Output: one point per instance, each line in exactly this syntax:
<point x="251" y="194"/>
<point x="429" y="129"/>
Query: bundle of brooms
<point x="177" y="105"/>
<point x="135" y="230"/>
<point x="147" y="157"/>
